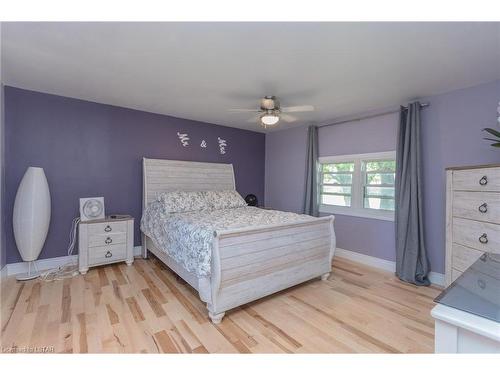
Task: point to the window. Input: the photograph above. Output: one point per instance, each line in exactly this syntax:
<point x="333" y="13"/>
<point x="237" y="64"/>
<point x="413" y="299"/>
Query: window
<point x="378" y="184"/>
<point x="336" y="183"/>
<point x="358" y="185"/>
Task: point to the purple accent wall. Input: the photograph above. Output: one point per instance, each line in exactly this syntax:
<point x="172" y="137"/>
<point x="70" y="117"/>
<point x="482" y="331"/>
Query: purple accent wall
<point x="358" y="137"/>
<point x="285" y="169"/>
<point x="89" y="149"/>
<point x="3" y="253"/>
<point x="285" y="174"/>
<point x="375" y="134"/>
<point x="451" y="135"/>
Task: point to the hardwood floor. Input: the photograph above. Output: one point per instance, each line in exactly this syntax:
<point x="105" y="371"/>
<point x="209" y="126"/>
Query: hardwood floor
<point x="145" y="308"/>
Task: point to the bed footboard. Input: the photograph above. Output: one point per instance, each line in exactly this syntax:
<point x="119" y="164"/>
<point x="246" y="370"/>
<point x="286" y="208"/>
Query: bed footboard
<point x="252" y="263"/>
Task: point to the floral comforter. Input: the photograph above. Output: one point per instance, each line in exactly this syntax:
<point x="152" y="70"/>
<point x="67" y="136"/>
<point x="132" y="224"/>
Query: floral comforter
<point x="188" y="237"/>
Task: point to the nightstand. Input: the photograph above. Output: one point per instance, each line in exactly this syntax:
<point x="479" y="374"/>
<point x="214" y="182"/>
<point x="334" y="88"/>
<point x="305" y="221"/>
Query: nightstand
<point x="105" y="241"/>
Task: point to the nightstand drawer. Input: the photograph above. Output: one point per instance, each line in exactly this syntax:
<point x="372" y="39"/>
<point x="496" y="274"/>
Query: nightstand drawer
<point x="107" y="254"/>
<point x="107" y="239"/>
<point x="109" y="227"/>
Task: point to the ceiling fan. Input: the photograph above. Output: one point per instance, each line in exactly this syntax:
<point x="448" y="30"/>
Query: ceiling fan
<point x="270" y="111"/>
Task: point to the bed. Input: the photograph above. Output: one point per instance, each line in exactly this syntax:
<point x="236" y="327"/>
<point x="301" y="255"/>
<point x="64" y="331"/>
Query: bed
<point x="246" y="262"/>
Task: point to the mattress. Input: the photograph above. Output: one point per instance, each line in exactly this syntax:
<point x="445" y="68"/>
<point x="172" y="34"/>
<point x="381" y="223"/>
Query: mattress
<point x="188" y="237"/>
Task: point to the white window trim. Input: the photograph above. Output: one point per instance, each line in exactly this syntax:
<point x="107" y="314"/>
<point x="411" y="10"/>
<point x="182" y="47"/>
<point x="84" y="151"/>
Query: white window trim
<point x="357" y="195"/>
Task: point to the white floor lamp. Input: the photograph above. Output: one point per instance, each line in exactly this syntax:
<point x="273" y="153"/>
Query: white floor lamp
<point x="31" y="218"/>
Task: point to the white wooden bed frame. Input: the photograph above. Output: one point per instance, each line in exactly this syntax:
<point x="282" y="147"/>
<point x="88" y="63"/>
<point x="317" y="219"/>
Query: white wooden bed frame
<point x="247" y="264"/>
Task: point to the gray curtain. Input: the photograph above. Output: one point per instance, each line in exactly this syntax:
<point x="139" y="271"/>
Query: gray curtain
<point x="311" y="206"/>
<point x="412" y="264"/>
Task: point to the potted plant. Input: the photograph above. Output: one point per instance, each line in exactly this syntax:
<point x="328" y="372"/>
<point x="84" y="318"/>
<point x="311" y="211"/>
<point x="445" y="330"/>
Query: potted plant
<point x="493" y="132"/>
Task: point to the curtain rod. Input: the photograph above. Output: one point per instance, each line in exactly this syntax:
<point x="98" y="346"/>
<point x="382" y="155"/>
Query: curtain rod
<point x="422" y="105"/>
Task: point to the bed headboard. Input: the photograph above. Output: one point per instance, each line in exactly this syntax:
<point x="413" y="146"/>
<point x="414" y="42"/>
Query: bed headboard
<point x="167" y="175"/>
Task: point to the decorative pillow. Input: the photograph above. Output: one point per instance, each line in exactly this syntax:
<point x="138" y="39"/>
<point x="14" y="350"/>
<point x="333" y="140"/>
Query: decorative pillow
<point x="185" y="201"/>
<point x="225" y="199"/>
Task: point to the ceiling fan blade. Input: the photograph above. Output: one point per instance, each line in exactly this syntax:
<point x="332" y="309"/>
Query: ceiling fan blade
<point x="240" y="110"/>
<point x="254" y="118"/>
<point x="298" y="108"/>
<point x="287" y="118"/>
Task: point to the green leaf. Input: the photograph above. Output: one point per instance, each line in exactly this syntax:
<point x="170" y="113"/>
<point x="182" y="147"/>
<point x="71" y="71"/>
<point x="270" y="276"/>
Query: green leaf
<point x="496" y="144"/>
<point x="496" y="133"/>
<point x="491" y="139"/>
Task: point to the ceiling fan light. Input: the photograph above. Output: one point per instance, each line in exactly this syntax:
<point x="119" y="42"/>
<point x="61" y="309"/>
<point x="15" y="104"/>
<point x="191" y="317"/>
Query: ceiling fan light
<point x="269" y="119"/>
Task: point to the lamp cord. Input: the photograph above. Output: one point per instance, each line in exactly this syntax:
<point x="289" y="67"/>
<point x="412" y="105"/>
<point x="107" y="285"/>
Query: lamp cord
<point x="69" y="269"/>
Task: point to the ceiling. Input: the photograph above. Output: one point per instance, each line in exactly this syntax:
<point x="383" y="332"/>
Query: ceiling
<point x="199" y="70"/>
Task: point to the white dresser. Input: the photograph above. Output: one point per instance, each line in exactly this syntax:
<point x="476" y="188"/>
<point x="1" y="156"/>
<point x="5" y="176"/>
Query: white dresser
<point x="472" y="216"/>
<point x="105" y="241"/>
<point x="458" y="331"/>
<point x="467" y="314"/>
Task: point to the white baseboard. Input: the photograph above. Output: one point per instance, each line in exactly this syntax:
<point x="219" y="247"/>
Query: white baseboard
<point x="42" y="264"/>
<point x="137" y="251"/>
<point x="49" y="263"/>
<point x="387" y="265"/>
<point x="3" y="273"/>
<point x="437" y="278"/>
<point x="383" y="264"/>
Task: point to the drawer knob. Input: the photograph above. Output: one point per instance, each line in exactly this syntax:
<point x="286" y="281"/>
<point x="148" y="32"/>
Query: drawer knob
<point x="483" y="208"/>
<point x="108" y="240"/>
<point x="107" y="229"/>
<point x="484" y="238"/>
<point x="109" y="254"/>
<point x="483" y="181"/>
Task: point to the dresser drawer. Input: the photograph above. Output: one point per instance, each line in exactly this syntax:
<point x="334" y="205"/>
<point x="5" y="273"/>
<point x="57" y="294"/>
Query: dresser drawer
<point x="107" y="239"/>
<point x="476" y="234"/>
<point x="107" y="254"/>
<point x="463" y="257"/>
<point x="481" y="284"/>
<point x="110" y="227"/>
<point x="455" y="274"/>
<point x="480" y="179"/>
<point x="477" y="205"/>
